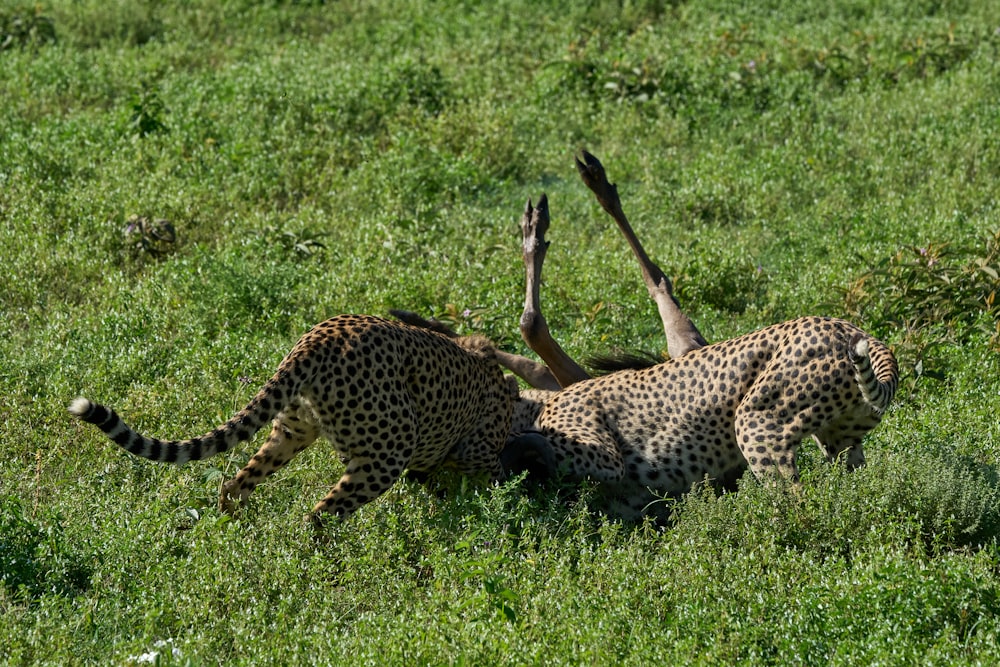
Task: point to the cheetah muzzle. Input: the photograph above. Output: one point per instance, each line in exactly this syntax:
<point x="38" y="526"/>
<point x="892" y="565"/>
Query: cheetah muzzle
<point x="387" y="395"/>
<point x="749" y="401"/>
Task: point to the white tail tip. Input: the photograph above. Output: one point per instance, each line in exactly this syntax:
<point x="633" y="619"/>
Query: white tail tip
<point x="80" y="406"/>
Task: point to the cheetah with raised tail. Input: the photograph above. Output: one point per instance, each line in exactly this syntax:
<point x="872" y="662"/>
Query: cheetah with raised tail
<point x="748" y="401"/>
<point x="387" y="395"/>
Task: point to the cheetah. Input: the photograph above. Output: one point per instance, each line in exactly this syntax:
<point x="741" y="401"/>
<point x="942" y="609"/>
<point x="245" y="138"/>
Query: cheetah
<point x="389" y="396"/>
<point x="750" y="401"/>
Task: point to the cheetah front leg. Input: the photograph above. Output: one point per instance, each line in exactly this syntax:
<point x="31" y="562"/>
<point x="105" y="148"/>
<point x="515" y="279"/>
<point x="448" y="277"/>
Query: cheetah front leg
<point x="292" y="431"/>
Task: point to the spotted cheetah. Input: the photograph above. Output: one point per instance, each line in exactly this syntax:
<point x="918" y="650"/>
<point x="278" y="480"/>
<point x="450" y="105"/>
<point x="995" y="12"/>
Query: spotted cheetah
<point x="643" y="434"/>
<point x="389" y="396"/>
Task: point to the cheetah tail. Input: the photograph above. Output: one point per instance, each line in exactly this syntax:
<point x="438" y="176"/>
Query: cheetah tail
<point x="875" y="370"/>
<point x="272" y="398"/>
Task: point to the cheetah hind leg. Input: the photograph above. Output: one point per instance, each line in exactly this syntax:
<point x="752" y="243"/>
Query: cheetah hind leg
<point x="365" y="479"/>
<point x="847" y="450"/>
<point x="770" y="453"/>
<point x="291" y="432"/>
<point x="843" y="444"/>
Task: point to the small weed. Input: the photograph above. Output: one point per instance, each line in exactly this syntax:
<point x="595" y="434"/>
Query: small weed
<point x="133" y="23"/>
<point x="469" y="319"/>
<point x="739" y="68"/>
<point x="867" y="58"/>
<point x="419" y="86"/>
<point x="933" y="54"/>
<point x="838" y="63"/>
<point x="303" y="244"/>
<point x="483" y="566"/>
<point x="637" y="82"/>
<point x="955" y="500"/>
<point x="146" y="112"/>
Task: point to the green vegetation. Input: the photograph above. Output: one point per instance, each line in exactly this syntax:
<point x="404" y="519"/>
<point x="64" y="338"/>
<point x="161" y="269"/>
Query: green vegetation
<point x="185" y="188"/>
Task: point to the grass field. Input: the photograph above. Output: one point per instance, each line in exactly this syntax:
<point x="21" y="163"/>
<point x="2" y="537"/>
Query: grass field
<point x="777" y="159"/>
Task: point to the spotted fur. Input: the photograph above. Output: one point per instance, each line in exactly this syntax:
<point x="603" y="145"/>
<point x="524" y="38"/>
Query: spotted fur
<point x="387" y="395"/>
<point x="715" y="411"/>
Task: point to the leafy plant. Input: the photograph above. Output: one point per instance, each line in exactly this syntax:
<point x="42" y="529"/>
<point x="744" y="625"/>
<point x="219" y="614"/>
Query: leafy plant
<point x="935" y="294"/>
<point x="146" y="112"/>
<point x="418" y="85"/>
<point x="26" y="27"/>
<point x="866" y="58"/>
<point x="303" y="244"/>
<point x="483" y="568"/>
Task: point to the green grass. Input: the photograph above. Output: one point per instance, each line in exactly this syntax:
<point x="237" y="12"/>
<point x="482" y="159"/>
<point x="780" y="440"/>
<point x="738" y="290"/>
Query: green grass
<point x="316" y="159"/>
